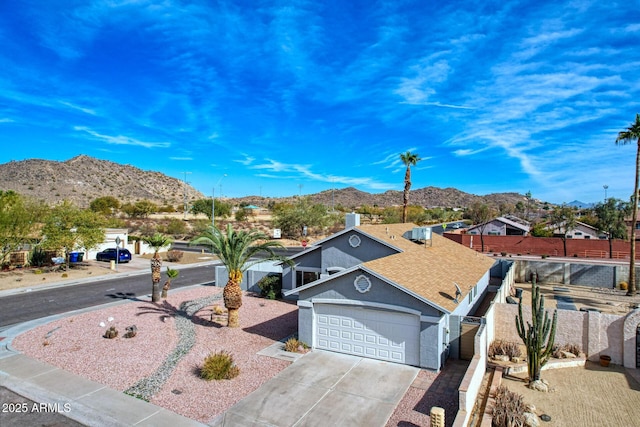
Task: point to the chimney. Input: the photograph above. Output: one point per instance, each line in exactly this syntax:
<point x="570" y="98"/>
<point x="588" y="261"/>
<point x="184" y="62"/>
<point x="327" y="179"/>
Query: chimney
<point x="352" y="220"/>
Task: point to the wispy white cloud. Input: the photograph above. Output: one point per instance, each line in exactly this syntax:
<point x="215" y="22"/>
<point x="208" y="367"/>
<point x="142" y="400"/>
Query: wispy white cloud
<point x="122" y="140"/>
<point x="300" y="171"/>
<point x="181" y="158"/>
<point x="79" y="108"/>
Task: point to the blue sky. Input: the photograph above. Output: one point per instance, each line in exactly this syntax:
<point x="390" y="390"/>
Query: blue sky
<point x="296" y="97"/>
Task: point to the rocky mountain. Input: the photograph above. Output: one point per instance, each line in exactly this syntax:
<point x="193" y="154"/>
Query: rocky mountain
<point x="428" y="197"/>
<point x="83" y="179"/>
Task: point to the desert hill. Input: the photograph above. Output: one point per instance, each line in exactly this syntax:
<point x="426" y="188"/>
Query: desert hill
<point x="83" y="179"/>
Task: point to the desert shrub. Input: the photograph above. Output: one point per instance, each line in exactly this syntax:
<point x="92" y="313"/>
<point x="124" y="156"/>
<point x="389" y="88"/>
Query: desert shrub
<point x="509" y="408"/>
<point x="270" y="286"/>
<point x="219" y="366"/>
<point x="504" y="348"/>
<point x="503" y="253"/>
<point x="568" y="348"/>
<point x="38" y="257"/>
<point x="174" y="256"/>
<point x="624" y="286"/>
<point x="294" y="345"/>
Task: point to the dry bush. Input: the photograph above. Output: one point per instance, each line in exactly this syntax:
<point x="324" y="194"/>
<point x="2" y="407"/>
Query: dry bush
<point x="509" y="408"/>
<point x="174" y="256"/>
<point x="504" y="348"/>
<point x="219" y="366"/>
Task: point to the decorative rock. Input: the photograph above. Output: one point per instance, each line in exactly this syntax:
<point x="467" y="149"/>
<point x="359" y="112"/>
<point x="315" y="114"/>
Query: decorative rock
<point x="530" y="407"/>
<point x="539" y="386"/>
<point x="531" y="420"/>
<point x="131" y="331"/>
<point x="567" y="355"/>
<point x="545" y="418"/>
<point x="111" y="333"/>
<point x="501" y="358"/>
<point x="516" y="359"/>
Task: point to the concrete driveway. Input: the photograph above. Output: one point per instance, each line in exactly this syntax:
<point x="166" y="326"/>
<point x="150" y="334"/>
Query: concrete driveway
<point x="325" y="389"/>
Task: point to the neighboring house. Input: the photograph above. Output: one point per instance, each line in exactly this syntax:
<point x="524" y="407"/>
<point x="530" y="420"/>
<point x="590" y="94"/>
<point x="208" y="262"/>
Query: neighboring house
<point x="386" y="292"/>
<point x="581" y="231"/>
<point x="110" y="236"/>
<point x="502" y="226"/>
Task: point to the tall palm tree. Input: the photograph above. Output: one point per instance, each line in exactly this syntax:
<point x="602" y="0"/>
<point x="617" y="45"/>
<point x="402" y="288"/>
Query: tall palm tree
<point x="409" y="159"/>
<point x="631" y="134"/>
<point x="156" y="242"/>
<point x="237" y="250"/>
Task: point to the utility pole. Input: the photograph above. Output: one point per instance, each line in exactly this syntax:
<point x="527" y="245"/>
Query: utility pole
<point x="605" y="192"/>
<point x="213" y="201"/>
<point x="184" y="190"/>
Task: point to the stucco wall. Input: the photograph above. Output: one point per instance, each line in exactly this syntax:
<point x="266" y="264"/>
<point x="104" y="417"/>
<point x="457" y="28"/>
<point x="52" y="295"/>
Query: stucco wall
<point x="339" y="253"/>
<point x="602" y="276"/>
<point x="431" y="345"/>
<point x="342" y="287"/>
<point x="597" y="333"/>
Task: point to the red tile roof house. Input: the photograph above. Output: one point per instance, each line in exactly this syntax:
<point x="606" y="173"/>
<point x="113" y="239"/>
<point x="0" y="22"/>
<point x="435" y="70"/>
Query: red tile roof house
<point x="387" y="292"/>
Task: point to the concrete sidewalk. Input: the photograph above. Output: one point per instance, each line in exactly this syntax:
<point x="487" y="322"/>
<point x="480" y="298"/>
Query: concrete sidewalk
<point x="59" y="393"/>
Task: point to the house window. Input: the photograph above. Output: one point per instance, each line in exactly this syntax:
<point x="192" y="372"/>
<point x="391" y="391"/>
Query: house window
<point x="304" y="277"/>
<point x="578" y="233"/>
<point x="493" y="233"/>
<point x="587" y="237"/>
<point x="354" y="241"/>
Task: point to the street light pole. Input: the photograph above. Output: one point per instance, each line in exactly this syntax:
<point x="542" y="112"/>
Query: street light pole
<point x="605" y="192"/>
<point x="213" y="201"/>
<point x="184" y="190"/>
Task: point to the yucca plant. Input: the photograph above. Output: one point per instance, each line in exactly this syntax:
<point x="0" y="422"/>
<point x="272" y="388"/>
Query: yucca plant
<point x="171" y="274"/>
<point x="156" y="242"/>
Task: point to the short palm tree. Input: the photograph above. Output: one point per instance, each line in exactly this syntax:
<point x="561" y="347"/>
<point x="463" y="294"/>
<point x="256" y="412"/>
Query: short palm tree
<point x="156" y="242"/>
<point x="409" y="159"/>
<point x="171" y="274"/>
<point x="237" y="250"/>
<point x="630" y="135"/>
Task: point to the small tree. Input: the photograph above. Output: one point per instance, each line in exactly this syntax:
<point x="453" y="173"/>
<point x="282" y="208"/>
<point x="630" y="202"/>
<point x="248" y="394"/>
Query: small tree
<point x="563" y="220"/>
<point x="18" y="222"/>
<point x="171" y="274"/>
<point x="69" y="227"/>
<point x="539" y="334"/>
<point x="480" y="214"/>
<point x="611" y="215"/>
<point x="157" y="241"/>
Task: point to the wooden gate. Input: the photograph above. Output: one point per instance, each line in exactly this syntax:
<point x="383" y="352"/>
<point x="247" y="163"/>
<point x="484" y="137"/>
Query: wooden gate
<point x="468" y="329"/>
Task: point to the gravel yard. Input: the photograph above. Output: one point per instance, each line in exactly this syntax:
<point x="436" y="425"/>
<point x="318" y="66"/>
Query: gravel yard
<point x="76" y="344"/>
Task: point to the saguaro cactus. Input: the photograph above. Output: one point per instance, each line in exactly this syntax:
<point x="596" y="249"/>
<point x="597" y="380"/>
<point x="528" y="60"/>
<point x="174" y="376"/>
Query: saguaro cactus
<point x="539" y="334"/>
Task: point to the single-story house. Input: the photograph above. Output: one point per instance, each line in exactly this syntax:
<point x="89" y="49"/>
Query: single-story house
<point x="580" y="231"/>
<point x="394" y="292"/>
<point x="502" y="226"/>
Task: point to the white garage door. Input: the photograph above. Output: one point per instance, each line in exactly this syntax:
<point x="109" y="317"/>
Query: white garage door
<point x="377" y="334"/>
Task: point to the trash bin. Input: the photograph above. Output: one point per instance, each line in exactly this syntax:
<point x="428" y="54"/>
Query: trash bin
<point x="80" y="256"/>
<point x="73" y="256"/>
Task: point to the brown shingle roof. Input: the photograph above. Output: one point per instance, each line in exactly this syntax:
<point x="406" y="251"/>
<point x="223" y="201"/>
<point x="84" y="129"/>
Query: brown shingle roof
<point x="428" y="270"/>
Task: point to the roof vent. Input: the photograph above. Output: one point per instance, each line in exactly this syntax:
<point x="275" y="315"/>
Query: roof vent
<point x="352" y="220"/>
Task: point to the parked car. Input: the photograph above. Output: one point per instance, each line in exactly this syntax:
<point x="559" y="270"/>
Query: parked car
<point x="110" y="255"/>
